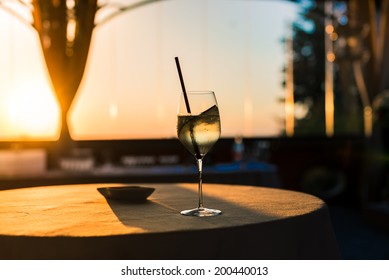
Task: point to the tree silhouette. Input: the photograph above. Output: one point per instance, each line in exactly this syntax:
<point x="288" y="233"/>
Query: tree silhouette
<point x="308" y="55"/>
<point x="309" y="69"/>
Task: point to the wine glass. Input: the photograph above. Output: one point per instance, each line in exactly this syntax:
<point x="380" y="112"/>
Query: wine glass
<point x="198" y="129"/>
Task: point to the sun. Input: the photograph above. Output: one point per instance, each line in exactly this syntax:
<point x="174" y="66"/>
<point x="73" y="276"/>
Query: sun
<point x="33" y="112"/>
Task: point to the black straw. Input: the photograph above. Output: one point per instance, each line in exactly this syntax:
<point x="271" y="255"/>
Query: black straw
<point x="182" y="85"/>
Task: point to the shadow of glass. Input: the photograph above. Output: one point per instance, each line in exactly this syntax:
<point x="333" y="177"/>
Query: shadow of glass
<point x="162" y="211"/>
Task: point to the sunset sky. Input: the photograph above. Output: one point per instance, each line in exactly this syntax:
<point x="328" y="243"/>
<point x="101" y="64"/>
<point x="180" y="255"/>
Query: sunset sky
<point x="131" y="87"/>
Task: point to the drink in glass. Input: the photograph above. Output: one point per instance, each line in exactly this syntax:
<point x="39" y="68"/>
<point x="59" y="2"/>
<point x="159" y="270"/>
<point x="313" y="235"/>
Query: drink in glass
<point x="198" y="130"/>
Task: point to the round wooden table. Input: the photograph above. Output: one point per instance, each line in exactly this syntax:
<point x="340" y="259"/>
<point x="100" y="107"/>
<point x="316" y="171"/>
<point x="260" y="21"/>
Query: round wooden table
<point x="77" y="222"/>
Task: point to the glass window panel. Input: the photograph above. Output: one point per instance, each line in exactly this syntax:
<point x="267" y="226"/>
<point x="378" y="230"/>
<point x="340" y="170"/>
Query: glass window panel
<point x="226" y="46"/>
<point x="242" y="50"/>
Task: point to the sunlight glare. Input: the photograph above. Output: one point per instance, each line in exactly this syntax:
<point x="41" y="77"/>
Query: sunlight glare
<point x="33" y="112"/>
<point x="113" y="111"/>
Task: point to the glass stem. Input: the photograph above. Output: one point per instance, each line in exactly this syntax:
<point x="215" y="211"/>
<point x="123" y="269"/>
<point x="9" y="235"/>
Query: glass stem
<point x="200" y="166"/>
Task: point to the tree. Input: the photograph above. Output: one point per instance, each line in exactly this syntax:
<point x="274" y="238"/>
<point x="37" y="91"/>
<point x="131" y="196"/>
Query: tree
<point x="308" y="53"/>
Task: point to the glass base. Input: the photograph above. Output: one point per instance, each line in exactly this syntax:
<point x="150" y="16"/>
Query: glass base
<point x="201" y="212"/>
